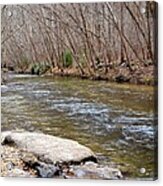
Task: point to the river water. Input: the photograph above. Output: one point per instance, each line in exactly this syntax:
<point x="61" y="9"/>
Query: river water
<point x="116" y="121"/>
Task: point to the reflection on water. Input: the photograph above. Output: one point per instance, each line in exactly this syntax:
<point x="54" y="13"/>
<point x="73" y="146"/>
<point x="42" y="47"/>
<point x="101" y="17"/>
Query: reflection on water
<point x="116" y="121"/>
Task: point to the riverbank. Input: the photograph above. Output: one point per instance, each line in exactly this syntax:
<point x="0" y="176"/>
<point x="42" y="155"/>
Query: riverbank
<point x="144" y="75"/>
<point x="24" y="155"/>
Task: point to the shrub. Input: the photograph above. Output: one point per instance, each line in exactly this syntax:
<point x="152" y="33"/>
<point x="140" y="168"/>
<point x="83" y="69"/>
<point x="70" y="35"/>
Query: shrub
<point x="39" y="68"/>
<point x="67" y="59"/>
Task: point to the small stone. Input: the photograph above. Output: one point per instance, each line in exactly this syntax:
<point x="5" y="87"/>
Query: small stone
<point x="47" y="170"/>
<point x="92" y="170"/>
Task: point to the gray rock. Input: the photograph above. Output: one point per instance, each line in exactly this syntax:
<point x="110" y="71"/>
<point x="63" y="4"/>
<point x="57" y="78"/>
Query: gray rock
<point x="91" y="170"/>
<point x="46" y="170"/>
<point x="48" y="147"/>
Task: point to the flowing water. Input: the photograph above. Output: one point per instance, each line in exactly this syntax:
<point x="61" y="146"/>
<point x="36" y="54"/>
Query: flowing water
<point x="116" y="121"/>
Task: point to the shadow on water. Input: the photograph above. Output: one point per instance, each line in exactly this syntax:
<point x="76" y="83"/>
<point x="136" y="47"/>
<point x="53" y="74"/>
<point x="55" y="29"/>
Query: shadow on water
<point x="116" y="121"/>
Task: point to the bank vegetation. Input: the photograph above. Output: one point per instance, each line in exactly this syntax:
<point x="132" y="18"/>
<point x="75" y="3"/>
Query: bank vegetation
<point x="111" y="41"/>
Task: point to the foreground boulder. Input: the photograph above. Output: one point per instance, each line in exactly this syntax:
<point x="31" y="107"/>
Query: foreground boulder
<point x="26" y="154"/>
<point x="49" y="148"/>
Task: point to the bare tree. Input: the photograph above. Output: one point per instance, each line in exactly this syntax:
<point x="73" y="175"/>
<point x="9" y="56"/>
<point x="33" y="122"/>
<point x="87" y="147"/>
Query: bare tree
<point x="99" y="36"/>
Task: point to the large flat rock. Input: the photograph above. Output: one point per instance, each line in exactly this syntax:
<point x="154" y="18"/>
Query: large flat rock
<point x="48" y="147"/>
